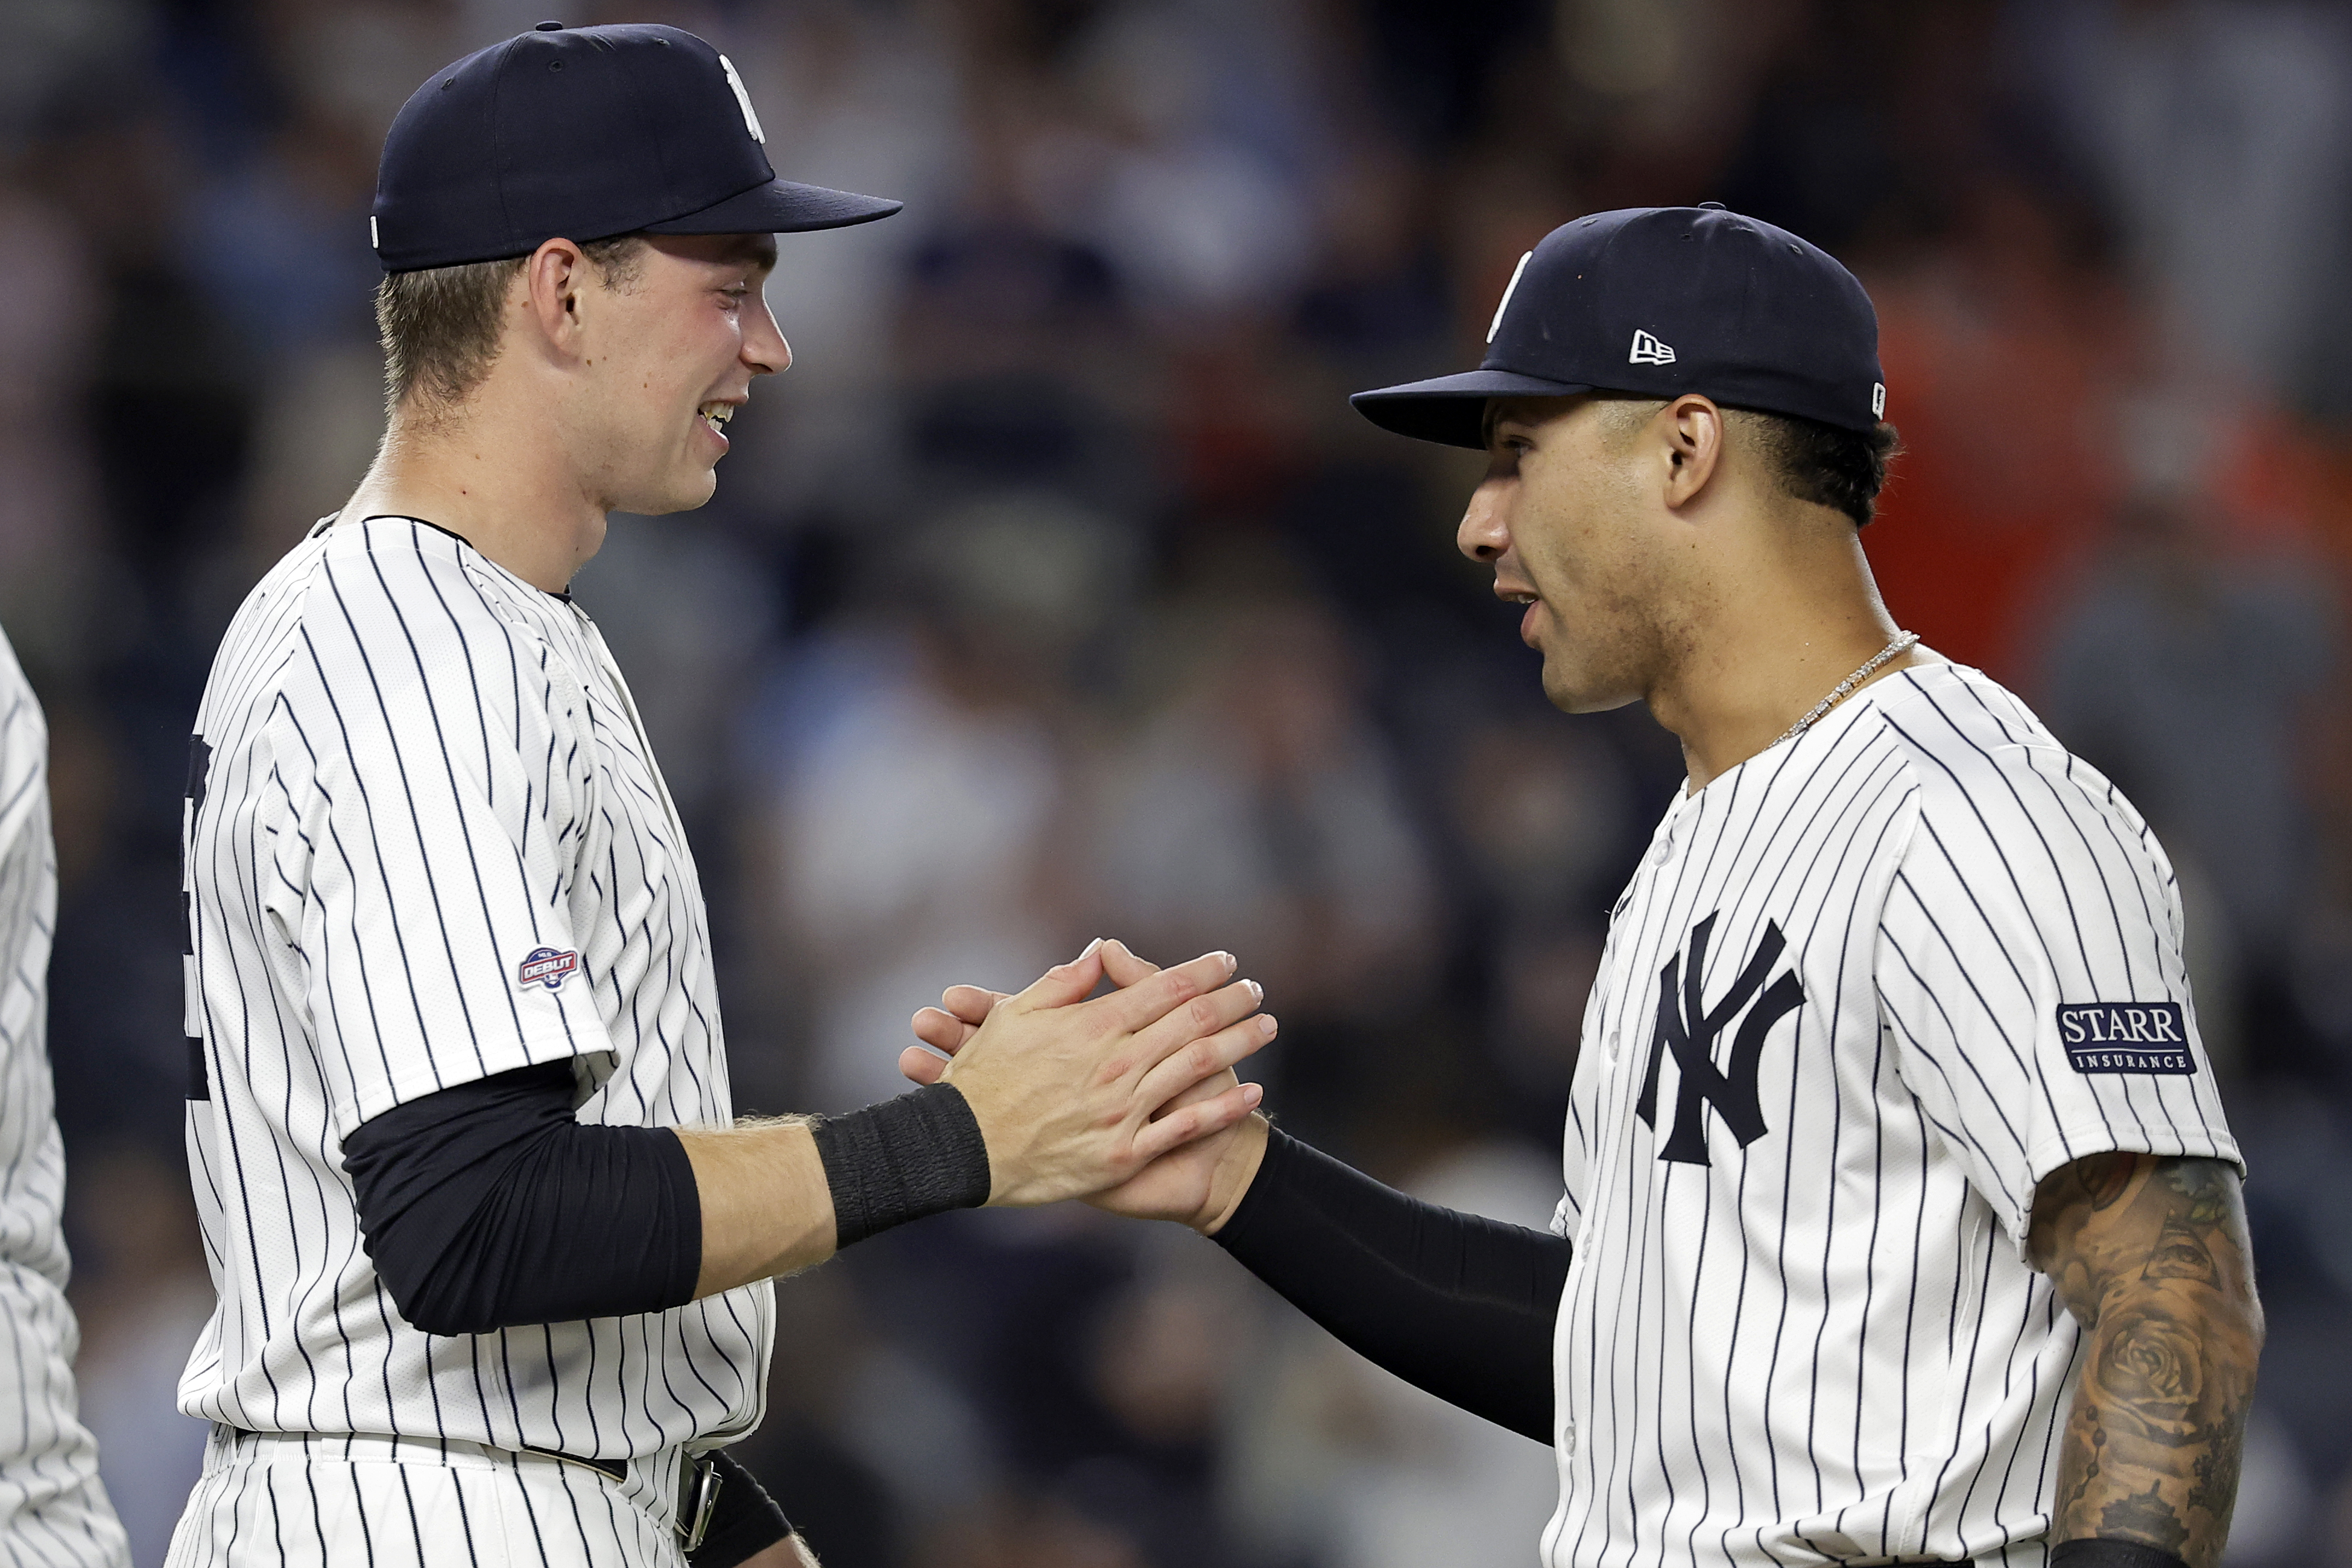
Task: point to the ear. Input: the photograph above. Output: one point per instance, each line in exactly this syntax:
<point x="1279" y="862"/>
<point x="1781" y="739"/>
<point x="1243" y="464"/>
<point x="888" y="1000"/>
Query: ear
<point x="1690" y="433"/>
<point x="553" y="279"/>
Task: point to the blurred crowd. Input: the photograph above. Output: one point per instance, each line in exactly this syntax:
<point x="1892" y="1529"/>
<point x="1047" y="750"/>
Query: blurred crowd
<point x="1056" y="591"/>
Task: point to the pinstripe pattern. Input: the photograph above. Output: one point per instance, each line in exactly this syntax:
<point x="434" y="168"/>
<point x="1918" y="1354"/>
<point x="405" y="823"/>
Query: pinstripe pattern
<point x="53" y="1508"/>
<point x="414" y="771"/>
<point x="1824" y="1345"/>
<point x="333" y="1502"/>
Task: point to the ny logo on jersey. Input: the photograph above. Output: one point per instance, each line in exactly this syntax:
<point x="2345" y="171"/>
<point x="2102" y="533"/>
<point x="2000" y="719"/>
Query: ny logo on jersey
<point x="1689" y="1029"/>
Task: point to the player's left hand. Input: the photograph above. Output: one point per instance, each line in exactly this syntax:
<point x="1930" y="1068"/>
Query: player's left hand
<point x="1198" y="1184"/>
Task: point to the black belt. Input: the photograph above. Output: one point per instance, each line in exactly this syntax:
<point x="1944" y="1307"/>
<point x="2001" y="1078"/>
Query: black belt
<point x="617" y="1469"/>
<point x="697" y="1489"/>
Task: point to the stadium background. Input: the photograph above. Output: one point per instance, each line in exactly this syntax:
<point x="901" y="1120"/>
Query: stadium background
<point x="1057" y="592"/>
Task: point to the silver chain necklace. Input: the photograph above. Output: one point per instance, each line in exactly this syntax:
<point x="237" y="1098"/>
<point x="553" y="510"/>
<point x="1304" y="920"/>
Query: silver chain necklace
<point x="1848" y="684"/>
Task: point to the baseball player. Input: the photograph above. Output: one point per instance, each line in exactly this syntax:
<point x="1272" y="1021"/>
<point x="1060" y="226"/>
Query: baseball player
<point x="53" y="1508"/>
<point x="491" y="1256"/>
<point x="1902" y="1221"/>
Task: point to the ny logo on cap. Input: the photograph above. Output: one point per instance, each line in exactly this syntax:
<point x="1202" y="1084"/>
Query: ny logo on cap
<point x="1648" y="350"/>
<point x="1508" y="290"/>
<point x="750" y="121"/>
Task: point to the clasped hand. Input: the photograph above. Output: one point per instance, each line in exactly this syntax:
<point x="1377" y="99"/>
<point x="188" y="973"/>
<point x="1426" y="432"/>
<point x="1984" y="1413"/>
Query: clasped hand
<point x="1074" y="1097"/>
<point x="1153" y="1125"/>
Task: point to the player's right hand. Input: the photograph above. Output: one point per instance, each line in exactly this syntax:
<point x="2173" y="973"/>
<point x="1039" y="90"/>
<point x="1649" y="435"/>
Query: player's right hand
<point x="1197" y="1182"/>
<point x="1067" y="1091"/>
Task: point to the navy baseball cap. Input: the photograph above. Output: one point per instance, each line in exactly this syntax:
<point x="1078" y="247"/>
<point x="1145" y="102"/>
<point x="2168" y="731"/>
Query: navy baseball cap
<point x="1658" y="301"/>
<point x="586" y="132"/>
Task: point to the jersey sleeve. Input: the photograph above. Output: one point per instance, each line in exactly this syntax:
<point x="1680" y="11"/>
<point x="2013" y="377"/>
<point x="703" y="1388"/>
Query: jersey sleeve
<point x="2029" y="975"/>
<point x="28" y="889"/>
<point x="445" y="756"/>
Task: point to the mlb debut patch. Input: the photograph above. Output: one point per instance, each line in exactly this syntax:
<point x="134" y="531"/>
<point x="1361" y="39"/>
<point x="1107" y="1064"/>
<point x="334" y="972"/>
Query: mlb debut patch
<point x="546" y="966"/>
<point x="2126" y="1036"/>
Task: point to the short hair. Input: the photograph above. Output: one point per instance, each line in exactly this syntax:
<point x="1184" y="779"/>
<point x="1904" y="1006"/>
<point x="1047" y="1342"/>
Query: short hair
<point x="440" y="325"/>
<point x="1826" y="464"/>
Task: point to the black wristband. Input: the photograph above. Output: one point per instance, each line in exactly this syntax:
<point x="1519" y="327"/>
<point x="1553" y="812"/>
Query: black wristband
<point x="2103" y="1552"/>
<point x="744" y="1522"/>
<point x="901" y="1159"/>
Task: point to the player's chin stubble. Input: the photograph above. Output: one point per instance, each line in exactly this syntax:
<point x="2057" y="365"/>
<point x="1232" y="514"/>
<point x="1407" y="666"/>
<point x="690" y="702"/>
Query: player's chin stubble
<point x="1606" y="660"/>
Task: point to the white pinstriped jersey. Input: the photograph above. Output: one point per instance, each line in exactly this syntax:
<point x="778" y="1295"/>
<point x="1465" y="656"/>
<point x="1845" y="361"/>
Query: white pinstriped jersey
<point x="1866" y="989"/>
<point x="427" y="842"/>
<point x="53" y="1510"/>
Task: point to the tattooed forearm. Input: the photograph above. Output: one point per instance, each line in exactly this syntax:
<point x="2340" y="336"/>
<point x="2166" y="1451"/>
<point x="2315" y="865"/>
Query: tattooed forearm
<point x="2150" y="1256"/>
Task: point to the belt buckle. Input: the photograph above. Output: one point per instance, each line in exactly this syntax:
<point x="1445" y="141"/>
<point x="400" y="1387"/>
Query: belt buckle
<point x="697" y="1499"/>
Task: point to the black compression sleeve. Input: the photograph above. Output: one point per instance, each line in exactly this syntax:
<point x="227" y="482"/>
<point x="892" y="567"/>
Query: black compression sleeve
<point x="1452" y="1302"/>
<point x="488" y="1205"/>
<point x="744" y="1521"/>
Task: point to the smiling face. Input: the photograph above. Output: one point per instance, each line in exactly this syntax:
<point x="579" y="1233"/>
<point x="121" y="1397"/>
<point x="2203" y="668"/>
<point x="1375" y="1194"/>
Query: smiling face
<point x="1567" y="517"/>
<point x="667" y="357"/>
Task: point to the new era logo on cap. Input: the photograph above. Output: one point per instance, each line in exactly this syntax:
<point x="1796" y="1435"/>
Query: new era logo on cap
<point x="1648" y="350"/>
